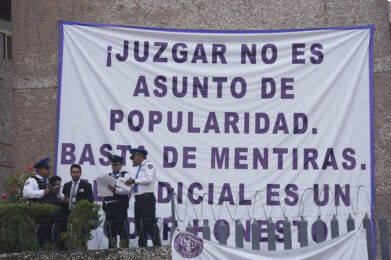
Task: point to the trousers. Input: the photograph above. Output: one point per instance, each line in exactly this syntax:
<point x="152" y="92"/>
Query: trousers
<point x="146" y="223"/>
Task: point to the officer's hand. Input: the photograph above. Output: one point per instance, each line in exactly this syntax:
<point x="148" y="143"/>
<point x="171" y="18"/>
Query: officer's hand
<point x="56" y="190"/>
<point x="46" y="191"/>
<point x="66" y="200"/>
<point x="111" y="188"/>
<point x="129" y="181"/>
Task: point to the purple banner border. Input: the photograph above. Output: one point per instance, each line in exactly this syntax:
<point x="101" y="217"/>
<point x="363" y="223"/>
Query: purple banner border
<point x="370" y="50"/>
<point x="359" y="27"/>
<point x="62" y="23"/>
<point x="60" y="57"/>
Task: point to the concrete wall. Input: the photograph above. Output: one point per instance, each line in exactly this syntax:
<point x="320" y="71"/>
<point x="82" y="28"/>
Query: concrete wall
<point x="35" y="57"/>
<point x="389" y="11"/>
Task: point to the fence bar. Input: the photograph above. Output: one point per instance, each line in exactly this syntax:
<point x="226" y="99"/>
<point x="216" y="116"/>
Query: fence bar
<point x="334" y="227"/>
<point x="319" y="230"/>
<point x="287" y="234"/>
<point x="303" y="235"/>
<point x="239" y="230"/>
<point x="206" y="230"/>
<point x="20" y="237"/>
<point x="255" y="236"/>
<point x="222" y="233"/>
<point x="350" y="223"/>
<point x="271" y="235"/>
<point x="174" y="221"/>
<point x="5" y="241"/>
<point x="385" y="250"/>
<point x="368" y="227"/>
<point x="72" y="227"/>
<point x="189" y="228"/>
<point x="36" y="232"/>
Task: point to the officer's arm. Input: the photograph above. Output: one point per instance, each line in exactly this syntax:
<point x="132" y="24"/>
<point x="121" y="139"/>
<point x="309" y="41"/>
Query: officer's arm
<point x="121" y="191"/>
<point x="149" y="175"/>
<point x="31" y="190"/>
<point x="60" y="196"/>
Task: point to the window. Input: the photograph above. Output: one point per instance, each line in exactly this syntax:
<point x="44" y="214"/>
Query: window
<point x="5" y="45"/>
<point x="9" y="47"/>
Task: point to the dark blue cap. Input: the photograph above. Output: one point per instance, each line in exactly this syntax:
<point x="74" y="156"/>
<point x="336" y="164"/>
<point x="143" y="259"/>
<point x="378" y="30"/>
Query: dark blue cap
<point x="135" y="151"/>
<point x="115" y="159"/>
<point x="44" y="163"/>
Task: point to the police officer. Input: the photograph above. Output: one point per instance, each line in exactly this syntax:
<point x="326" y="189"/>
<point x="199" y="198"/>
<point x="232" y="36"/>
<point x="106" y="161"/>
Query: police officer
<point x="145" y="201"/>
<point x="37" y="189"/>
<point x="116" y="206"/>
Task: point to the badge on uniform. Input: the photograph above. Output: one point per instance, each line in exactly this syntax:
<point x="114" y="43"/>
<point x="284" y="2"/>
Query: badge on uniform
<point x="150" y="166"/>
<point x="81" y="190"/>
<point x="73" y="199"/>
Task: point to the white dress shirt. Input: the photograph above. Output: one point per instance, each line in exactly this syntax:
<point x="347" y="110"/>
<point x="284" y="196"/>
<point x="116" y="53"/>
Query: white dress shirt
<point x="70" y="192"/>
<point x="146" y="178"/>
<point x="31" y="189"/>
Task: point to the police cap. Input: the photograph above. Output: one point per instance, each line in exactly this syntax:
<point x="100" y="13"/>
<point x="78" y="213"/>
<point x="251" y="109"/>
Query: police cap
<point x="115" y="159"/>
<point x="44" y="163"/>
<point x="135" y="151"/>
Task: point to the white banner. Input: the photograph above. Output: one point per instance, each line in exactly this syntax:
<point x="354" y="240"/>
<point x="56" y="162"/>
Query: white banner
<point x="351" y="245"/>
<point x="242" y="124"/>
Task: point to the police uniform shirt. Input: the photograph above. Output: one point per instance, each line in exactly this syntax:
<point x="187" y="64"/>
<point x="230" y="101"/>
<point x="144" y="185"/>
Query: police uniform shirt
<point x="146" y="178"/>
<point x="118" y="190"/>
<point x="31" y="189"/>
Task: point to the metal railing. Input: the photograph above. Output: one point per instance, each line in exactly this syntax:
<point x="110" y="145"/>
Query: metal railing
<point x="371" y="224"/>
<point x="368" y="223"/>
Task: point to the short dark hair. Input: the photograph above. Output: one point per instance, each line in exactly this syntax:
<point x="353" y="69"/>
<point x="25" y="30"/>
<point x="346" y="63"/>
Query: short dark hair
<point x="54" y="178"/>
<point x="75" y="166"/>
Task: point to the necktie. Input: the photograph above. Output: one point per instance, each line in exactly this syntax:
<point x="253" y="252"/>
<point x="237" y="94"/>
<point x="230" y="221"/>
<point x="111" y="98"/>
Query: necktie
<point x="73" y="193"/>
<point x="135" y="184"/>
<point x="45" y="180"/>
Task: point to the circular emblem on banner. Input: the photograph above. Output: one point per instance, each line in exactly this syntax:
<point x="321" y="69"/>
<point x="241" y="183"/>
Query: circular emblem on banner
<point x="187" y="245"/>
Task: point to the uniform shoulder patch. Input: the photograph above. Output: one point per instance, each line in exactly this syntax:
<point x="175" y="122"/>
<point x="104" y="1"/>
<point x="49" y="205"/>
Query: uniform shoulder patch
<point x="27" y="182"/>
<point x="122" y="174"/>
<point x="150" y="166"/>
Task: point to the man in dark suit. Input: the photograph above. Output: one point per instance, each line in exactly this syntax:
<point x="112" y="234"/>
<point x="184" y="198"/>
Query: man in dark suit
<point x="76" y="190"/>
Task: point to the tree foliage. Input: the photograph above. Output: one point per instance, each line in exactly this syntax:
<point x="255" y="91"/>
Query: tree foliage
<point x="18" y="223"/>
<point x="83" y="218"/>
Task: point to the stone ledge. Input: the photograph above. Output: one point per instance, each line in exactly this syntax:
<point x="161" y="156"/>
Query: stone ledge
<point x="161" y="253"/>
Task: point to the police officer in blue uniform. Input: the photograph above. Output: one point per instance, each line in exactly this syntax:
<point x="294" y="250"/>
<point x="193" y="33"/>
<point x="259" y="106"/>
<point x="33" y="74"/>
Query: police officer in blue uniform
<point x="38" y="189"/>
<point x="116" y="206"/>
<point x="145" y="201"/>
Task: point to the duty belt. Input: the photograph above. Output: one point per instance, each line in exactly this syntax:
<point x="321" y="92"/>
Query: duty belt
<point x="144" y="195"/>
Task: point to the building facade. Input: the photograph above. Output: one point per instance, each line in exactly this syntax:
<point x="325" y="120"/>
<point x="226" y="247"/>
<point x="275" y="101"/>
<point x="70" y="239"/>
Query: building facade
<point x="29" y="81"/>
